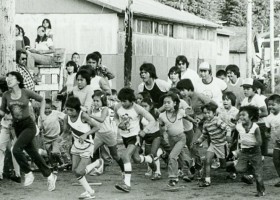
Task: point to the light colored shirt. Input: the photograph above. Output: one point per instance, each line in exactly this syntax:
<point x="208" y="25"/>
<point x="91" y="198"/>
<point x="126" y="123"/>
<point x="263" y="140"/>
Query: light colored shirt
<point x="214" y="90"/>
<point x="85" y="96"/>
<point x="193" y="76"/>
<point x="45" y="45"/>
<point x="248" y="137"/>
<point x="237" y="90"/>
<point x="50" y="124"/>
<point x="273" y="122"/>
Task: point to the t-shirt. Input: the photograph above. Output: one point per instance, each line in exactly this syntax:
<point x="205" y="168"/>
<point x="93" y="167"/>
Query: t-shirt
<point x="185" y="106"/>
<point x="70" y="82"/>
<point x="217" y="130"/>
<point x="51" y="125"/>
<point x="44" y="45"/>
<point x="273" y="122"/>
<point x="248" y="137"/>
<point x="19" y="108"/>
<point x="237" y="91"/>
<point x="85" y="96"/>
<point x="175" y="127"/>
<point x="131" y="118"/>
<point x="257" y="101"/>
<point x="228" y="115"/>
<point x="193" y="76"/>
<point x="214" y="90"/>
<point x="196" y="102"/>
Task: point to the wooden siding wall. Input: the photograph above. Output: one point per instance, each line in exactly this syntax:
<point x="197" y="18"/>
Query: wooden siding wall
<point x="81" y="33"/>
<point x="59" y="7"/>
<point x="222" y="50"/>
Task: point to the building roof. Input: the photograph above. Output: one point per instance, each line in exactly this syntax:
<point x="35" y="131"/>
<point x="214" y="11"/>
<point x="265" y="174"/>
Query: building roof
<point x="225" y="31"/>
<point x="154" y="9"/>
<point x="238" y="42"/>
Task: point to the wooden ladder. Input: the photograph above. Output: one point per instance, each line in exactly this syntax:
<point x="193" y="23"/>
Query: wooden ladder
<point x="52" y="76"/>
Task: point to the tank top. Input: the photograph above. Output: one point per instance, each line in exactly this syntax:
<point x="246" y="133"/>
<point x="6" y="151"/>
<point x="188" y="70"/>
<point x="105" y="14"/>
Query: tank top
<point x="78" y="128"/>
<point x="249" y="137"/>
<point x="155" y="93"/>
<point x="106" y="125"/>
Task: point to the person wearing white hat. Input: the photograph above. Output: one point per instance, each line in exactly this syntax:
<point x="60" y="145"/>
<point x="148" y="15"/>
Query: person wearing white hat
<point x="211" y="86"/>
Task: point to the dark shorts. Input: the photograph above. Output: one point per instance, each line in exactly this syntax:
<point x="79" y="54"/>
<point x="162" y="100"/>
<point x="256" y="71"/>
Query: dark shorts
<point x="149" y="138"/>
<point x="129" y="140"/>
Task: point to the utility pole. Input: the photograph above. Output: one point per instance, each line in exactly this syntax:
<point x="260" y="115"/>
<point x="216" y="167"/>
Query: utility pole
<point x="128" y="45"/>
<point x="249" y="39"/>
<point x="271" y="29"/>
<point x="7" y="36"/>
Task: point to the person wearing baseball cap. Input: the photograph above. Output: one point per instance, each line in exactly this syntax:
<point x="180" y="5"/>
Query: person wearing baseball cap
<point x="209" y="85"/>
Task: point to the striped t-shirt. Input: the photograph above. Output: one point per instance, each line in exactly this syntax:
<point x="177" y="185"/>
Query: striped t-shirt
<point x="217" y="130"/>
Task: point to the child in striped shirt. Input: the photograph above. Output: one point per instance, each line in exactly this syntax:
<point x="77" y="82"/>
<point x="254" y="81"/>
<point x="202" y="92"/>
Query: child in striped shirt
<point x="217" y="131"/>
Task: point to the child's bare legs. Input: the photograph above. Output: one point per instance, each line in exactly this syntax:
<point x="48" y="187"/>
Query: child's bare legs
<point x="114" y="153"/>
<point x="207" y="166"/>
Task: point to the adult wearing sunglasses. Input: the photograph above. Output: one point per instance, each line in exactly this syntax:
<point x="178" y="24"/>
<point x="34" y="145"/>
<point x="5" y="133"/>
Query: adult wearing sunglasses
<point x="42" y="54"/>
<point x="186" y="72"/>
<point x="21" y="59"/>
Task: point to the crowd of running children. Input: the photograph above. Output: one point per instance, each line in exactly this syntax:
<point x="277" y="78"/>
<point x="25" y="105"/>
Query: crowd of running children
<point x="166" y="120"/>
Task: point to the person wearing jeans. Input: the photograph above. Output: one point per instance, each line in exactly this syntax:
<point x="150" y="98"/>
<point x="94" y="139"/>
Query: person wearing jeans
<point x="16" y="101"/>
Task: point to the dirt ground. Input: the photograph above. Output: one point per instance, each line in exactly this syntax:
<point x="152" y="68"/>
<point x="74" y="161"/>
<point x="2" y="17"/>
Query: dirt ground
<point x="142" y="187"/>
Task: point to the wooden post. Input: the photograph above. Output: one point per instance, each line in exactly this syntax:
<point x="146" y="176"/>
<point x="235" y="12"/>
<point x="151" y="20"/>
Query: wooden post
<point x="128" y="45"/>
<point x="249" y="38"/>
<point x="7" y="36"/>
<point x="271" y="29"/>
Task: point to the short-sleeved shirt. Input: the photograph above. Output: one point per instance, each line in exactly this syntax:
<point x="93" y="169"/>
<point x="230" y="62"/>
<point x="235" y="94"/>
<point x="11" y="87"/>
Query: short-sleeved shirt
<point x="131" y="117"/>
<point x="228" y="115"/>
<point x="214" y="90"/>
<point x="175" y="127"/>
<point x="273" y="122"/>
<point x="237" y="90"/>
<point x="28" y="81"/>
<point x="44" y="45"/>
<point x="19" y="108"/>
<point x="193" y="76"/>
<point x="257" y="101"/>
<point x="51" y="125"/>
<point x="85" y="96"/>
<point x="187" y="124"/>
<point x="196" y="102"/>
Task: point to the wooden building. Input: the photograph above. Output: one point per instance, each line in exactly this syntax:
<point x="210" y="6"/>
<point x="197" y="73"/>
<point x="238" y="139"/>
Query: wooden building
<point x="160" y="32"/>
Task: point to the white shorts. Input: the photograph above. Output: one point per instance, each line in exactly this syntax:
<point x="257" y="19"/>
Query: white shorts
<point x="220" y="151"/>
<point x="83" y="153"/>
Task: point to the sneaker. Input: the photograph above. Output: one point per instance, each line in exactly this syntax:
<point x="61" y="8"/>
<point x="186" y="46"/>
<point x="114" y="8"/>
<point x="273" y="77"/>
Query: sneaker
<point x="172" y="182"/>
<point x="216" y="164"/>
<point x="156" y="176"/>
<point x="149" y="172"/>
<point x="153" y="165"/>
<point x="98" y="171"/>
<point x="247" y="179"/>
<point x="187" y="178"/>
<point x="87" y="195"/>
<point x="51" y="182"/>
<point x="123" y="187"/>
<point x="29" y="178"/>
<point x="277" y="184"/>
<point x="260" y="194"/>
<point x="15" y="178"/>
<point x="231" y="176"/>
<point x="204" y="184"/>
<point x="180" y="173"/>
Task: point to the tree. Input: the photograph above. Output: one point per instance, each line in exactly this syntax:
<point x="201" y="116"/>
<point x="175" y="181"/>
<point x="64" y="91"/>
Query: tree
<point x="7" y="36"/>
<point x="234" y="12"/>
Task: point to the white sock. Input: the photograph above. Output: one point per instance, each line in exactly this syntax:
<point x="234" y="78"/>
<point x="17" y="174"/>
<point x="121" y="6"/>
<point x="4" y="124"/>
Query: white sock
<point x="127" y="173"/>
<point x="85" y="184"/>
<point x="146" y="159"/>
<point x="208" y="179"/>
<point x="93" y="165"/>
<point x="158" y="166"/>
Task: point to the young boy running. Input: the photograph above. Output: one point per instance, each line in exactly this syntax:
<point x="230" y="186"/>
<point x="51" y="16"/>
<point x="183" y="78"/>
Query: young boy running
<point x="127" y="116"/>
